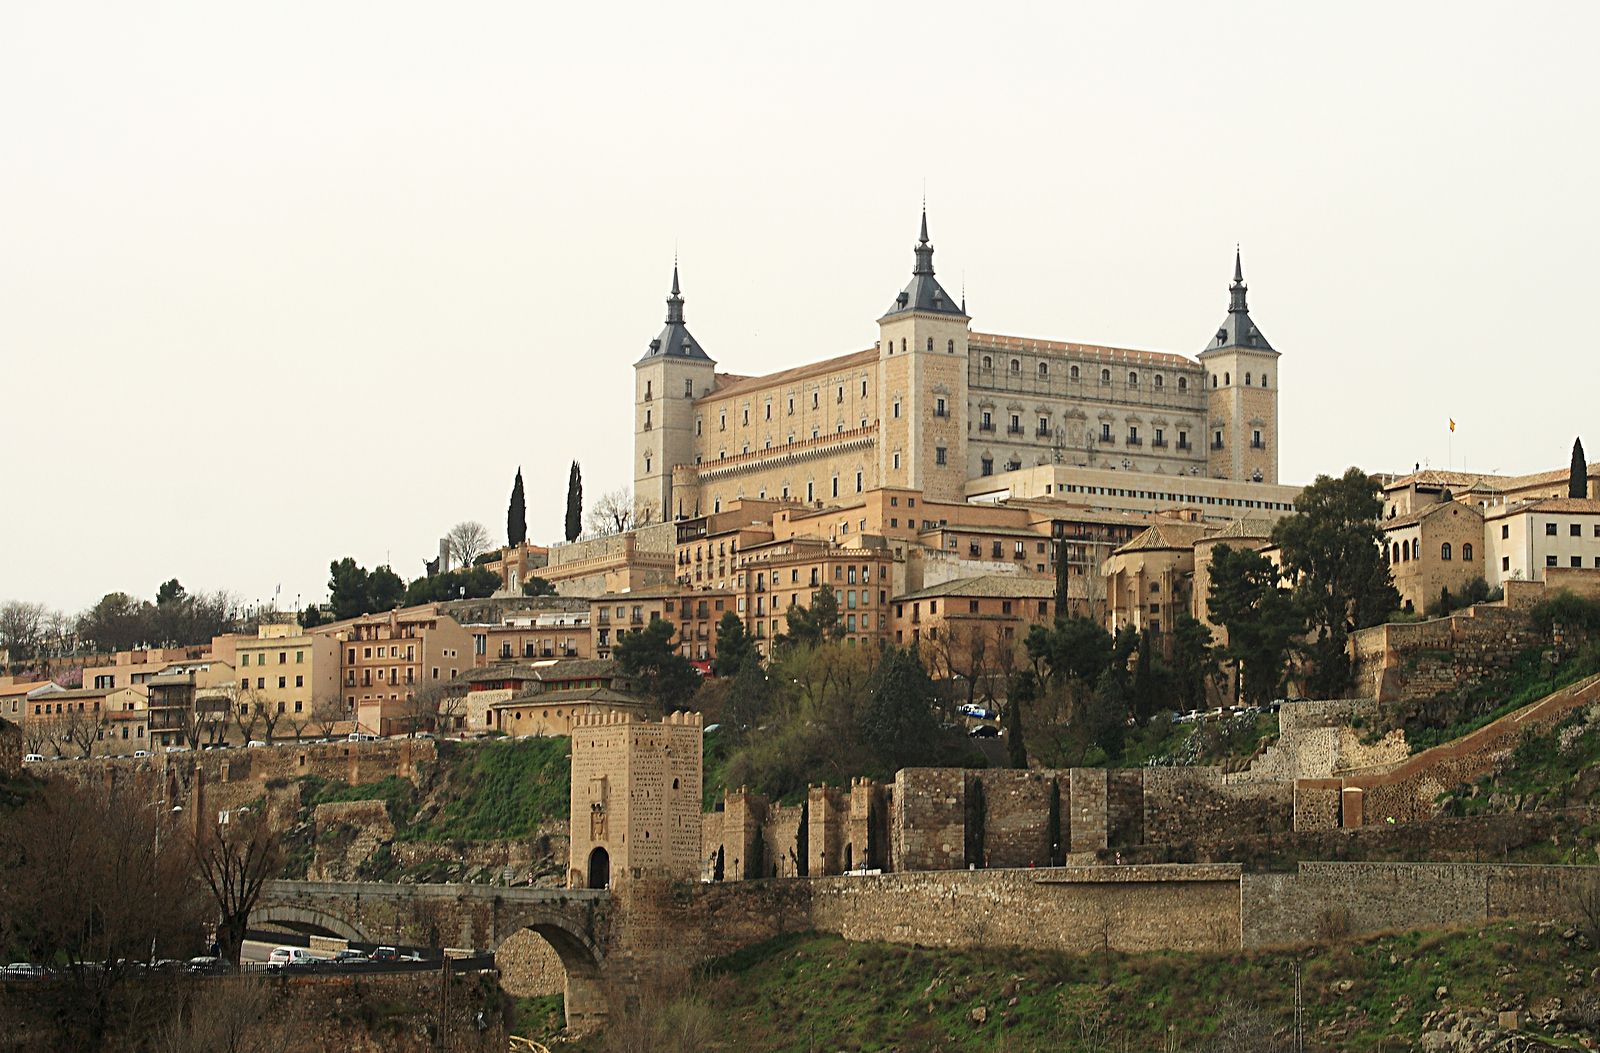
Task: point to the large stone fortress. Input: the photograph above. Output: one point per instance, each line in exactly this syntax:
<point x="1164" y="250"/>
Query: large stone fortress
<point x="933" y="404"/>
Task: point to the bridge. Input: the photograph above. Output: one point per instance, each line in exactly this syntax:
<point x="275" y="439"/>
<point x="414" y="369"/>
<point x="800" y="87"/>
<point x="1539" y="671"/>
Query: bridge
<point x="577" y="923"/>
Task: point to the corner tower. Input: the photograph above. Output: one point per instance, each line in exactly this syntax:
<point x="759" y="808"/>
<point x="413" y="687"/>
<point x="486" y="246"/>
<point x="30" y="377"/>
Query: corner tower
<point x="672" y="374"/>
<point x="1242" y="381"/>
<point x="922" y="385"/>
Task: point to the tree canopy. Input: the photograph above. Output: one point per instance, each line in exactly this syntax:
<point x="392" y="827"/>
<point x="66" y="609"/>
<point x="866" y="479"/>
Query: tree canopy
<point x="354" y="591"/>
<point x="650" y="657"/>
<point x="734" y="646"/>
<point x="1261" y="619"/>
<point x="1332" y="552"/>
<point x="810" y="626"/>
<point x="898" y="723"/>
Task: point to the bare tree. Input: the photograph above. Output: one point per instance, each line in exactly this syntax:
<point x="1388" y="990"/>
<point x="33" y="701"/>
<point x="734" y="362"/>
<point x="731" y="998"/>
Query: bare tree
<point x="231" y="1016"/>
<point x="614" y="512"/>
<point x="84" y="729"/>
<point x="22" y="631"/>
<point x="326" y="712"/>
<point x="235" y="860"/>
<point x="467" y="541"/>
<point x="246" y="714"/>
<point x="206" y="720"/>
<point x="98" y="879"/>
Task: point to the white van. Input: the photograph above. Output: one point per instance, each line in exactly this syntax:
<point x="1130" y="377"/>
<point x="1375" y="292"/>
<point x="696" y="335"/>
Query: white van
<point x="361" y="736"/>
<point x="282" y="956"/>
<point x="33" y="758"/>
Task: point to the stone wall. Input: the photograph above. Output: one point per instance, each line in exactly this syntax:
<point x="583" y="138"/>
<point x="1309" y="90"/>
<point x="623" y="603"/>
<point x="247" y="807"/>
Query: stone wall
<point x="1202" y="803"/>
<point x="347" y="833"/>
<point x="542" y="856"/>
<point x="930" y="822"/>
<point x="1407" y="792"/>
<point x="1322" y="900"/>
<point x="529" y="966"/>
<point x="1417" y="660"/>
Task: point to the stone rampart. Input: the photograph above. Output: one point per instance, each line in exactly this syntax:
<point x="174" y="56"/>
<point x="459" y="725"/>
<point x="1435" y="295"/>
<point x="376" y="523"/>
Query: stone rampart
<point x="1202" y="803"/>
<point x="1417" y="660"/>
<point x="1330" y="900"/>
<point x="10" y="749"/>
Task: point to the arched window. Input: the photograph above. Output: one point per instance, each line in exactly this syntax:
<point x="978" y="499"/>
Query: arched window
<point x="902" y="343"/>
<point x="949" y="347"/>
<point x="1016" y="365"/>
<point x="1073" y="373"/>
<point x="1213" y="380"/>
<point x="930" y="343"/>
<point x="1133" y="379"/>
<point x="1105" y="376"/>
<point x="1044" y="369"/>
<point x="1247" y="380"/>
<point x="1183" y="383"/>
<point x="1466" y="552"/>
<point x="1263" y="380"/>
<point x="1394" y="553"/>
<point x="1444" y="551"/>
<point x="1160" y="380"/>
<point x="1227" y="378"/>
<point x="988" y="363"/>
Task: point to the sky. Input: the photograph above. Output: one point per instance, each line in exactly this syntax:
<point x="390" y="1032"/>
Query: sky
<point x="281" y="283"/>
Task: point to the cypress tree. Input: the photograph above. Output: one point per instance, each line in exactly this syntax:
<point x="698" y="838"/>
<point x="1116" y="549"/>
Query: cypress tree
<point x="1061" y="579"/>
<point x="1016" y="748"/>
<point x="574" y="503"/>
<point x="1578" y="481"/>
<point x="517" y="514"/>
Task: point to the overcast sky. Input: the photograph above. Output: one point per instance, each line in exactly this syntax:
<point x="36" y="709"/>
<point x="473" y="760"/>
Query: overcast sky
<point x="285" y="282"/>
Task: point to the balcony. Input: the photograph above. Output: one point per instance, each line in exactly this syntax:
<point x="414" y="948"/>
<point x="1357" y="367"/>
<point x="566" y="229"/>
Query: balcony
<point x="986" y="426"/>
<point x="1158" y="444"/>
<point x="1013" y="429"/>
<point x="1184" y="446"/>
<point x="1216" y="445"/>
<point x="1108" y="440"/>
<point x="1134" y="440"/>
<point x="1043" y="433"/>
<point x="604" y="619"/>
<point x="1257" y="444"/>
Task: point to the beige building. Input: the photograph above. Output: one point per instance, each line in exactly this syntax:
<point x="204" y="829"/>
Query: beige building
<point x="138" y="666"/>
<point x="287" y="671"/>
<point x="1435" y="548"/>
<point x="634" y="559"/>
<point x="971" y="627"/>
<point x="693" y="612"/>
<point x="932" y="405"/>
<point x="191" y="703"/>
<point x="774" y="577"/>
<point x="1166" y="571"/>
<point x="562" y="630"/>
<point x="635" y="799"/>
<point x="386" y="660"/>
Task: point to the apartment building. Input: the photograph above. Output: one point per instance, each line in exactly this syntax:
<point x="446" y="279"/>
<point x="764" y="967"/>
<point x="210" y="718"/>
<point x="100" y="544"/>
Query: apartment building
<point x="386" y="659"/>
<point x="966" y="623"/>
<point x="782" y="574"/>
<point x="287" y="671"/>
<point x="1523" y="541"/>
<point x="694" y="612"/>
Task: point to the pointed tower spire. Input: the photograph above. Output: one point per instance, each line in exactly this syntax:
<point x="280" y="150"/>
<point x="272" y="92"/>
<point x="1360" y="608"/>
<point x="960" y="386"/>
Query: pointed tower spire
<point x="924" y="249"/>
<point x="675" y="301"/>
<point x="1236" y="291"/>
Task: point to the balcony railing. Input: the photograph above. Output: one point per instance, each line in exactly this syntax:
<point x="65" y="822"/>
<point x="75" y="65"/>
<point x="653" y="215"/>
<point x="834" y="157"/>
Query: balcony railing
<point x="1159" y="444"/>
<point x="986" y="426"/>
<point x="1215" y="445"/>
<point x="1134" y="440"/>
<point x="1043" y="433"/>
<point x="1013" y="429"/>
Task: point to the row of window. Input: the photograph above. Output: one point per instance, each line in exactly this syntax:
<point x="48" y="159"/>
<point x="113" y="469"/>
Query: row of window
<point x="986" y="363"/>
<point x="1406" y="551"/>
<point x="261" y="682"/>
<point x="261" y="659"/>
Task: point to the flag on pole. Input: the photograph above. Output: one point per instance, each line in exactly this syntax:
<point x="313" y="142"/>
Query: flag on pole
<point x="1452" y="424"/>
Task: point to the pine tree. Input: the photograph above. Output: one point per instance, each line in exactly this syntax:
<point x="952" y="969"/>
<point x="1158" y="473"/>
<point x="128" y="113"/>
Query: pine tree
<point x="1578" y="481"/>
<point x="574" y="503"/>
<point x="517" y="514"/>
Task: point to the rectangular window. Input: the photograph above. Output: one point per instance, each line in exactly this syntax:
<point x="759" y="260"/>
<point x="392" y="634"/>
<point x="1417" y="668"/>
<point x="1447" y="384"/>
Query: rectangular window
<point x="938" y="455"/>
<point x="1505" y="562"/>
<point x="1105" y="432"/>
<point x="283" y="681"/>
<point x="897" y="461"/>
<point x="1550" y="530"/>
<point x="1575" y="530"/>
<point x="938" y="407"/>
<point x="1577" y="561"/>
<point x="897" y="409"/>
<point x="1505" y="531"/>
<point x="1550" y="561"/>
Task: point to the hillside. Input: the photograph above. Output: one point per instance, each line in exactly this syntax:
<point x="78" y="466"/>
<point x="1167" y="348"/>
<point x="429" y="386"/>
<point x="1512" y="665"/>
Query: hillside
<point x="804" y="993"/>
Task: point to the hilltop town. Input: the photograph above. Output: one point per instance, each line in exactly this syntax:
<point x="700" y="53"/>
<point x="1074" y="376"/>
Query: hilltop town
<point x="1017" y="651"/>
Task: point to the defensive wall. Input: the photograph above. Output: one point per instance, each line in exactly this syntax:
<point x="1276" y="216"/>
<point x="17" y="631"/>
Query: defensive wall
<point x="1409" y="660"/>
<point x="10" y="748"/>
<point x="1407" y="792"/>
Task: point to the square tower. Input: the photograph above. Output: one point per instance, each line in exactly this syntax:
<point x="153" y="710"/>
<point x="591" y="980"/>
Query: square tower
<point x="1241" y="436"/>
<point x="672" y="374"/>
<point x="922" y="386"/>
<point x="635" y="799"/>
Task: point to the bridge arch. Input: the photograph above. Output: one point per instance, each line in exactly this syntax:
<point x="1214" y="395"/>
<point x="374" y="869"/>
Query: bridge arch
<point x="303" y="919"/>
<point x="576" y="944"/>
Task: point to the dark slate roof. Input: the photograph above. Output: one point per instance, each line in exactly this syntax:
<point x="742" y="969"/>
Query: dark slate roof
<point x="675" y="341"/>
<point x="1237" y="329"/>
<point x="925" y="293"/>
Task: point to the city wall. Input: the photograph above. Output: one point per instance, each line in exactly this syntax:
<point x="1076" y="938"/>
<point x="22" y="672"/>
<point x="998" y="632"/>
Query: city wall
<point x="1417" y="660"/>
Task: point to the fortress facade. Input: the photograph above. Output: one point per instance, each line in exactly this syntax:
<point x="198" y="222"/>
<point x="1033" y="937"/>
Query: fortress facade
<point x="933" y="404"/>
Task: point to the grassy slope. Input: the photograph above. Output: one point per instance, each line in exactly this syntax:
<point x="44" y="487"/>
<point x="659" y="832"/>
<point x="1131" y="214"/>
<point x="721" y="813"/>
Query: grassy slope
<point x="805" y="993"/>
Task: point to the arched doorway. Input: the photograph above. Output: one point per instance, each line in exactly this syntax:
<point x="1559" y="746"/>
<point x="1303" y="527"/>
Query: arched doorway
<point x="599" y="868"/>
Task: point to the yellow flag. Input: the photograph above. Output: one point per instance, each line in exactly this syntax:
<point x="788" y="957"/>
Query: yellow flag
<point x="1452" y="424"/>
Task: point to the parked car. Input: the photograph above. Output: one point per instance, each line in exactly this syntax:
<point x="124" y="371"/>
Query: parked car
<point x="177" y="749"/>
<point x="985" y="731"/>
<point x="255" y="743"/>
<point x="23" y="971"/>
<point x="361" y="736"/>
<point x="977" y="712"/>
<point x="282" y="956"/>
<point x="349" y="959"/>
<point x="141" y="753"/>
<point x="385" y="954"/>
<point x="32" y="758"/>
<point x="208" y="965"/>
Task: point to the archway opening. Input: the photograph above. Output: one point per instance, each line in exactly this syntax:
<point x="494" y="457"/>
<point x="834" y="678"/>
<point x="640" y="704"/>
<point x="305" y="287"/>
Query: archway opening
<point x="599" y="868"/>
<point x="545" y="954"/>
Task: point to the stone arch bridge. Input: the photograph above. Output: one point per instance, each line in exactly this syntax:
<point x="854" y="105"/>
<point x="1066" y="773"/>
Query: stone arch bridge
<point x="577" y="923"/>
